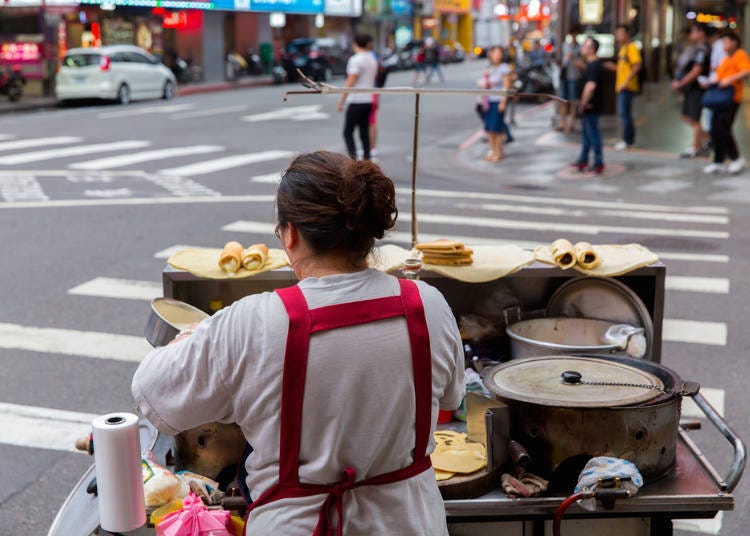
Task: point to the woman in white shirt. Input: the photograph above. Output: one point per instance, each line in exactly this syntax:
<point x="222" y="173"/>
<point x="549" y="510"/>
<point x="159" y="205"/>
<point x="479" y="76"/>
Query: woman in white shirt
<point x="336" y="382"/>
<point x="498" y="77"/>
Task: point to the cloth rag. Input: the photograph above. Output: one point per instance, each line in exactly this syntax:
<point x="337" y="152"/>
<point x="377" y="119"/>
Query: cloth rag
<point x="602" y="468"/>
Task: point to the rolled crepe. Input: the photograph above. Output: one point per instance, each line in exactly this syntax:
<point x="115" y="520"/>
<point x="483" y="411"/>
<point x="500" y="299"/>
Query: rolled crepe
<point x="440" y="245"/>
<point x="562" y="252"/>
<point x="586" y="256"/>
<point x="255" y="257"/>
<point x="448" y="261"/>
<point x="230" y="259"/>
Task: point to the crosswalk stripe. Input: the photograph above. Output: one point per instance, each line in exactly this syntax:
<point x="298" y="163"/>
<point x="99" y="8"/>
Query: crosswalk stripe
<point x="135" y="110"/>
<point x="401" y="237"/>
<point x="44" y="428"/>
<point x="559" y="227"/>
<point x="37" y="142"/>
<point x="715" y="285"/>
<point x="715" y="397"/>
<point x="228" y="162"/>
<point x="145" y="156"/>
<point x="210" y="112"/>
<point x="693" y="331"/>
<point x="73" y="342"/>
<point x="49" y="154"/>
<point x="271" y="178"/>
<point x="658" y="216"/>
<point x="701" y="526"/>
<point x="141" y="201"/>
<point x="558" y="201"/>
<point x="129" y="289"/>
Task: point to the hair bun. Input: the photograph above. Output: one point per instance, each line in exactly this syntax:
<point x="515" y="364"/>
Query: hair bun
<point x="368" y="199"/>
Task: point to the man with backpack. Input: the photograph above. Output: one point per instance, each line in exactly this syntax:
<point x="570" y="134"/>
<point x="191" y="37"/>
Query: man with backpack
<point x="697" y="67"/>
<point x="627" y="82"/>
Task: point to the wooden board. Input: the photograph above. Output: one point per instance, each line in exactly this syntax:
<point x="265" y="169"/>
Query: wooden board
<point x="469" y="486"/>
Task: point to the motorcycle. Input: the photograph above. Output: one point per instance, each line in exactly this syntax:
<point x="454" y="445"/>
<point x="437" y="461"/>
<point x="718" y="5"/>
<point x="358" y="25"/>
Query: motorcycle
<point x="535" y="79"/>
<point x="11" y="83"/>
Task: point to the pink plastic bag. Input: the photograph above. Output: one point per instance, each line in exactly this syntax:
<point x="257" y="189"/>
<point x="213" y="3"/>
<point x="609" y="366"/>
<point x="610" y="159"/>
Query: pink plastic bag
<point x="195" y="520"/>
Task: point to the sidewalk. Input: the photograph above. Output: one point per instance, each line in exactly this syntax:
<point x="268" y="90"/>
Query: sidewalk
<point x="27" y="104"/>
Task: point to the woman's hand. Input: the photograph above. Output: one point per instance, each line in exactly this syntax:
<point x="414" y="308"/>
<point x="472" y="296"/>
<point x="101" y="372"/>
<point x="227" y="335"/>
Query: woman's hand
<point x="185" y="333"/>
<point x="501" y="105"/>
<point x="725" y="83"/>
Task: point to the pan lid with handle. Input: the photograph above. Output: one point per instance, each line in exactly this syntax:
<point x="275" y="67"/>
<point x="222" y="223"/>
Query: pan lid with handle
<point x="539" y="380"/>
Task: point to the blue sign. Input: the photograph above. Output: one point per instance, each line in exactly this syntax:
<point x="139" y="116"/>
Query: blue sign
<point x="402" y="7"/>
<point x="288" y="6"/>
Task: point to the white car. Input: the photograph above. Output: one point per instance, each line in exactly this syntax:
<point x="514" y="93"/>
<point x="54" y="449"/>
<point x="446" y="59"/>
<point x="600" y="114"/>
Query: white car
<point x="121" y="72"/>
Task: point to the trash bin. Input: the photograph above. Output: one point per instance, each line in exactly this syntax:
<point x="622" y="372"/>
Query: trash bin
<point x="266" y="56"/>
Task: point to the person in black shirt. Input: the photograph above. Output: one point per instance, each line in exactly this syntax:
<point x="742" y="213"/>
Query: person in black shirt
<point x="590" y="107"/>
<point x="698" y="66"/>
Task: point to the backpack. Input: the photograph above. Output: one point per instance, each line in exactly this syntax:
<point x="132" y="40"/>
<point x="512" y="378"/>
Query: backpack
<point x="382" y="75"/>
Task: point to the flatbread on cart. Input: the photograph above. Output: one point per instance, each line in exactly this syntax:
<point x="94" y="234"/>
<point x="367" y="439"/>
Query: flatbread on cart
<point x="203" y="262"/>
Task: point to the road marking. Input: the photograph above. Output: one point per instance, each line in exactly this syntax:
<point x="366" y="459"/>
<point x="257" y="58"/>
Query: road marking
<point x="49" y="154"/>
<point x="133" y="110"/>
<point x="271" y="178"/>
<point x="714" y="285"/>
<point x="73" y="342"/>
<point x="37" y="142"/>
<point x="109" y="194"/>
<point x="401" y="237"/>
<point x="691" y="331"/>
<point x="42" y="428"/>
<point x="67" y="203"/>
<point x="210" y="166"/>
<point x="181" y="186"/>
<point x="145" y="156"/>
<point x="559" y="227"/>
<point x="171" y="250"/>
<point x="21" y="188"/>
<point x="211" y="112"/>
<point x="702" y="526"/>
<point x="559" y="201"/>
<point x="291" y="113"/>
<point x="128" y="289"/>
<point x="715" y="397"/>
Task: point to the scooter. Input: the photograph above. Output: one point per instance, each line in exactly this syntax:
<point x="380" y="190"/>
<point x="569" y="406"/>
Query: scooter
<point x="535" y="79"/>
<point x="11" y="83"/>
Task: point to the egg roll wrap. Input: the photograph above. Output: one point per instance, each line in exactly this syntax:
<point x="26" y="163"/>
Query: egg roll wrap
<point x="255" y="257"/>
<point x="230" y="258"/>
<point x="562" y="252"/>
<point x="586" y="256"/>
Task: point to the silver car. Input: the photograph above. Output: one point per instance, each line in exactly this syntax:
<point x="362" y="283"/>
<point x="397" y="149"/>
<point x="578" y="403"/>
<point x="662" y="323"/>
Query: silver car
<point x="120" y="72"/>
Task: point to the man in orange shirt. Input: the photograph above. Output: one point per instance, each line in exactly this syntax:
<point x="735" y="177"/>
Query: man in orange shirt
<point x="731" y="72"/>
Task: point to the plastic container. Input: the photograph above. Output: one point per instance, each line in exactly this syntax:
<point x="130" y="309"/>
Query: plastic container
<point x="445" y="416"/>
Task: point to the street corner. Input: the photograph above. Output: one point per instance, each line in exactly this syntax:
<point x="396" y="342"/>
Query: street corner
<point x="610" y="171"/>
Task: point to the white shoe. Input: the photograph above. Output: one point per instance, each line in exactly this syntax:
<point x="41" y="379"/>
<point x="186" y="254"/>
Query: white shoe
<point x="713" y="167"/>
<point x="690" y="152"/>
<point x="621" y="146"/>
<point x="373" y="152"/>
<point x="736" y="166"/>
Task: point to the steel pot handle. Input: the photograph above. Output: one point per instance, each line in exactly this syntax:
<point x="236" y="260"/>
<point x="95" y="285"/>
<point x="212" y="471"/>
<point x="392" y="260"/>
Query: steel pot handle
<point x="740" y="452"/>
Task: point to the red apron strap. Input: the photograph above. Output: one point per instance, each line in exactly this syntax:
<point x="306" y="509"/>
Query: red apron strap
<point x="421" y="357"/>
<point x="353" y="313"/>
<point x="293" y="382"/>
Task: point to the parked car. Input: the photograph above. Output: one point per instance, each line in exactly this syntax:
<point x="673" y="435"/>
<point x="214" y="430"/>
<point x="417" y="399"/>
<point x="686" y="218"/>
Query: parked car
<point x="122" y="72"/>
<point x="320" y="59"/>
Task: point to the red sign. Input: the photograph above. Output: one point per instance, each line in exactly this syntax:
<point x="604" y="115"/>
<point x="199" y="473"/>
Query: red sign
<point x="175" y="19"/>
<point x="21" y="53"/>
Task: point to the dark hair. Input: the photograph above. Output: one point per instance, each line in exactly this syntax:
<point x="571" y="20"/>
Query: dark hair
<point x="575" y="29"/>
<point x="622" y="26"/>
<point x="700" y="26"/>
<point x="732" y="35"/>
<point x="594" y="43"/>
<point x="363" y="40"/>
<point x="338" y="204"/>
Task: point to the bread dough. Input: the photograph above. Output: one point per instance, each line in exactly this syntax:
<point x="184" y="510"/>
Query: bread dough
<point x="203" y="262"/>
<point x="460" y="458"/>
<point x="489" y="263"/>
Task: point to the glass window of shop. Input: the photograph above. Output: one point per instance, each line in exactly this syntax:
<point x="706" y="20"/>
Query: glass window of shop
<point x="15" y="24"/>
<point x="597" y="18"/>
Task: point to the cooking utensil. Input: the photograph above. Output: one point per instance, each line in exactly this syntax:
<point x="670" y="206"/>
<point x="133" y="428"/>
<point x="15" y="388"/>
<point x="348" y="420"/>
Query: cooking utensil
<point x="167" y="318"/>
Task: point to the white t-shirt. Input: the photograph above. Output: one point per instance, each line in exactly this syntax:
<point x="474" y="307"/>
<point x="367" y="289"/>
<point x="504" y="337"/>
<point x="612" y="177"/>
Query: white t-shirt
<point x="359" y="403"/>
<point x="365" y="66"/>
<point x="497" y="77"/>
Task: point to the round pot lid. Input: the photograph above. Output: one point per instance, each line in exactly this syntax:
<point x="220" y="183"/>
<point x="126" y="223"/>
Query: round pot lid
<point x="603" y="299"/>
<point x="177" y="314"/>
<point x="538" y="380"/>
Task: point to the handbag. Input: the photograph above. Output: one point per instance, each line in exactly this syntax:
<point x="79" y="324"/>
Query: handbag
<point x="718" y="98"/>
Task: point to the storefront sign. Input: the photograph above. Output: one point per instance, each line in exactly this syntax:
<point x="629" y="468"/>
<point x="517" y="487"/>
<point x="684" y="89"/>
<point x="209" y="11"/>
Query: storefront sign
<point x="169" y="4"/>
<point x="402" y="7"/>
<point x="403" y="36"/>
<point x="343" y="8"/>
<point x="452" y="6"/>
<point x="591" y="11"/>
<point x="21" y="52"/>
<point x="287" y="6"/>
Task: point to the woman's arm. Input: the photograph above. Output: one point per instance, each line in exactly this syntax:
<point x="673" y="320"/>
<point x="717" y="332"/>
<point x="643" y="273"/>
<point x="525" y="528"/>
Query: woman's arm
<point x="350" y="81"/>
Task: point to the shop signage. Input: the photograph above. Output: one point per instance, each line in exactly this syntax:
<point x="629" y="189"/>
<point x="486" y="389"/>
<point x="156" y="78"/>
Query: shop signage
<point x="402" y="7"/>
<point x="21" y="52"/>
<point x="169" y="4"/>
<point x="452" y="6"/>
<point x="343" y="8"/>
<point x="287" y="6"/>
<point x="591" y="11"/>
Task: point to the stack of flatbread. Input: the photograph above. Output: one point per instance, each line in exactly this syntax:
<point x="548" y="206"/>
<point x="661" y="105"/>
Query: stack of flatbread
<point x="453" y="455"/>
<point x="445" y="253"/>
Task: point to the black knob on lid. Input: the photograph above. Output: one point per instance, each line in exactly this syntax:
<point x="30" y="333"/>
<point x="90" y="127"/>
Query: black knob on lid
<point x="571" y="376"/>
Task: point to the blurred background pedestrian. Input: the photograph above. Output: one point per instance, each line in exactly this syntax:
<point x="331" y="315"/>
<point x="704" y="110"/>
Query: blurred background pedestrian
<point x="572" y="66"/>
<point x="498" y="77"/>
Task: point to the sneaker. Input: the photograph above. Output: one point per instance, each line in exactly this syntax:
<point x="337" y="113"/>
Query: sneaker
<point x="596" y="170"/>
<point x="373" y="152"/>
<point x="690" y="152"/>
<point x="580" y="166"/>
<point x="713" y="167"/>
<point x="621" y="146"/>
<point x="736" y="166"/>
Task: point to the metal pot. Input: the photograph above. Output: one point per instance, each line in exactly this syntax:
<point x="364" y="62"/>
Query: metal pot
<point x="566" y="336"/>
<point x="167" y="318"/>
<point x="561" y="434"/>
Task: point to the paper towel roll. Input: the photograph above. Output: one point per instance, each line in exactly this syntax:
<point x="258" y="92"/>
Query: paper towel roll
<point x="119" y="477"/>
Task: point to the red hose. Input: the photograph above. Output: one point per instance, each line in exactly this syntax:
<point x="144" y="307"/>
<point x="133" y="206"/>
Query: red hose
<point x="563" y="507"/>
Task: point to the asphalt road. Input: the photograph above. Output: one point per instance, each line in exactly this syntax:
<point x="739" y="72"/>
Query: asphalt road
<point x="91" y="197"/>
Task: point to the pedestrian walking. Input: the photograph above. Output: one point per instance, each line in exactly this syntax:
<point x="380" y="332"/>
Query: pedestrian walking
<point x="432" y="59"/>
<point x="591" y="107"/>
<point x="730" y="74"/>
<point x="627" y="85"/>
<point x="572" y="66"/>
<point x="716" y="44"/>
<point x="498" y="77"/>
<point x="697" y="66"/>
<point x="380" y="79"/>
<point x="419" y="64"/>
<point x="361" y="70"/>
